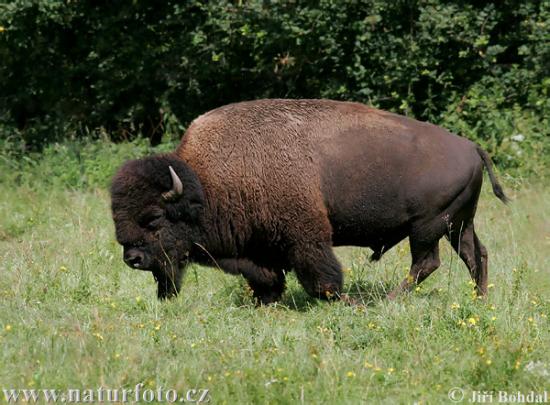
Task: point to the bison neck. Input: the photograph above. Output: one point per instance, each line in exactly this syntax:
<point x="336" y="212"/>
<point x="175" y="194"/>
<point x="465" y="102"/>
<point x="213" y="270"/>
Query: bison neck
<point x="230" y="234"/>
<point x="221" y="235"/>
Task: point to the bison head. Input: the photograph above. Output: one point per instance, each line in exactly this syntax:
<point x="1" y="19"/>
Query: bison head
<point x="157" y="205"/>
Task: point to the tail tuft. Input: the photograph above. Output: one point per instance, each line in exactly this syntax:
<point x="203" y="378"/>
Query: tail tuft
<point x="497" y="188"/>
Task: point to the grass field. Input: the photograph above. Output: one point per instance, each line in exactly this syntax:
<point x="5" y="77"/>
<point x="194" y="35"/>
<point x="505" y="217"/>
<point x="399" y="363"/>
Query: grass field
<point x="72" y="315"/>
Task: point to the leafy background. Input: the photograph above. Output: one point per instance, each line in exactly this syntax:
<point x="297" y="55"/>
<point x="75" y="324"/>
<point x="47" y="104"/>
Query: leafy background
<point x="73" y="69"/>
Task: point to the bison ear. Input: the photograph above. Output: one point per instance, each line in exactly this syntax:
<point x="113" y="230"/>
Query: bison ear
<point x="194" y="209"/>
<point x="176" y="191"/>
<point x="185" y="200"/>
<point x="189" y="208"/>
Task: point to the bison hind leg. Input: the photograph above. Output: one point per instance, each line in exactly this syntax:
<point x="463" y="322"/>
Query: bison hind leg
<point x="425" y="260"/>
<point x="473" y="254"/>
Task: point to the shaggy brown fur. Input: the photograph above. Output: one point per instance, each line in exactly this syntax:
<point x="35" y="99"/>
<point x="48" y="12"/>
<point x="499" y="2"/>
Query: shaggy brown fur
<point x="272" y="185"/>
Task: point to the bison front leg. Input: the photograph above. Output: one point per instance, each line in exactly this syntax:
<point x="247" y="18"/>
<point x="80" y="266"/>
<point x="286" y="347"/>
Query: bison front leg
<point x="267" y="285"/>
<point x="317" y="269"/>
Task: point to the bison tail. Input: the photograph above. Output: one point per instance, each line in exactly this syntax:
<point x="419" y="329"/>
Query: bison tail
<point x="497" y="188"/>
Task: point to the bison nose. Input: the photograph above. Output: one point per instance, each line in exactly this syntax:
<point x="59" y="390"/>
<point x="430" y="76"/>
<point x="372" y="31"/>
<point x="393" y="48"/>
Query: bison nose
<point x="134" y="258"/>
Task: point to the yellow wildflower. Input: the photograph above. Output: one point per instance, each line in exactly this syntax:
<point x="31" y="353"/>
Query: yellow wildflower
<point x="350" y="374"/>
<point x="455" y="305"/>
<point x="472" y="321"/>
<point x="8" y="328"/>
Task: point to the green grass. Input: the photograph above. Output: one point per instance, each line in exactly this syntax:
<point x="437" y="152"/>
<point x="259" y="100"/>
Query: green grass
<point x="73" y="315"/>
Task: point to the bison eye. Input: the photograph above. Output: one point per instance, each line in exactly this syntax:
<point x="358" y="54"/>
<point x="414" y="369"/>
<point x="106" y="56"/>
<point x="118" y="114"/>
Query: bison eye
<point x="154" y="225"/>
<point x="151" y="221"/>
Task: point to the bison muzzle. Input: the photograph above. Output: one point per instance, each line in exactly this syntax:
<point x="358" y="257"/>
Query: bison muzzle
<point x="264" y="187"/>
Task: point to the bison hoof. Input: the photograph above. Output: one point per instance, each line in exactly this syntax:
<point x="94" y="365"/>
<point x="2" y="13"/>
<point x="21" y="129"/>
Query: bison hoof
<point x="354" y="302"/>
<point x="267" y="299"/>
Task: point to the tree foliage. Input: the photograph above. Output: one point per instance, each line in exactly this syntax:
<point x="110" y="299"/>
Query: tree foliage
<point x="71" y="67"/>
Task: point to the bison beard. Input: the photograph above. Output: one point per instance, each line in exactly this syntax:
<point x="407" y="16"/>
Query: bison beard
<point x="168" y="285"/>
<point x="265" y="187"/>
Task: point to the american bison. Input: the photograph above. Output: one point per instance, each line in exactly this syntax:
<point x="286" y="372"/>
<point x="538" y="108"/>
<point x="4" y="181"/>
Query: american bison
<point x="263" y="187"/>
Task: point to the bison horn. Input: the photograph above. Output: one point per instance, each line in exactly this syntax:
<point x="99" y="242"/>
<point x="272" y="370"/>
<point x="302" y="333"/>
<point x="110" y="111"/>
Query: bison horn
<point x="177" y="187"/>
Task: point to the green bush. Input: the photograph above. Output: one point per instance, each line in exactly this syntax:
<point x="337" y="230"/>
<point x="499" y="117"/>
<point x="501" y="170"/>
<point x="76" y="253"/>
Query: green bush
<point x="76" y="164"/>
<point x="69" y="68"/>
<point x="515" y="137"/>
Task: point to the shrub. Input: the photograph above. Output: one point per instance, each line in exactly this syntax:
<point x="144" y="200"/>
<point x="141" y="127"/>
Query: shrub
<point x="75" y="164"/>
<point x="69" y="68"/>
